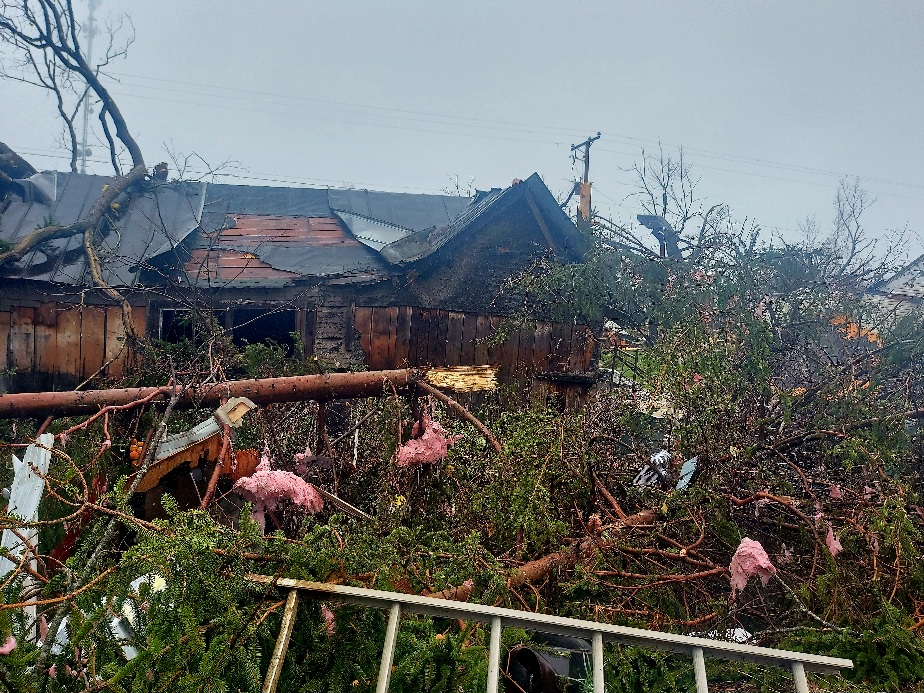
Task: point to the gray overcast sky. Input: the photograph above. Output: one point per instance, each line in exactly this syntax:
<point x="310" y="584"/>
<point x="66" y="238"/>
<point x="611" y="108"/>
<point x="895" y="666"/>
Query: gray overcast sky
<point x="773" y="102"/>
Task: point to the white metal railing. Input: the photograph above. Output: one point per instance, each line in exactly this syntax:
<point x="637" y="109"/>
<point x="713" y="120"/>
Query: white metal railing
<point x="396" y="603"/>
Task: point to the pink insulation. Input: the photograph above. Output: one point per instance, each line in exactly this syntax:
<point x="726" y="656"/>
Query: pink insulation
<point x="432" y="446"/>
<point x="266" y="488"/>
<point x="8" y="646"/>
<point x="835" y="491"/>
<point x="749" y="560"/>
<point x="834" y="546"/>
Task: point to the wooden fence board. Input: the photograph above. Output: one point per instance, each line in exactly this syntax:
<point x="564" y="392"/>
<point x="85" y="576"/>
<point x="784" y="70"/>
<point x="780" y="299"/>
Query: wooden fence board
<point x="4" y="339"/>
<point x="494" y="348"/>
<point x="542" y="346"/>
<point x="482" y="334"/>
<point x="454" y="338"/>
<point x="469" y="329"/>
<point x="46" y="338"/>
<point x="92" y="340"/>
<point x="382" y="319"/>
<point x="68" y="362"/>
<point x="403" y="337"/>
<point x="418" y="346"/>
<point x="363" y="320"/>
<point x="22" y="339"/>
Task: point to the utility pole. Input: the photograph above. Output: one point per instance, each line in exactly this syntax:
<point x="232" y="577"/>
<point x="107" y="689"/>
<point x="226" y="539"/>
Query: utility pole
<point x="91" y="32"/>
<point x="584" y="204"/>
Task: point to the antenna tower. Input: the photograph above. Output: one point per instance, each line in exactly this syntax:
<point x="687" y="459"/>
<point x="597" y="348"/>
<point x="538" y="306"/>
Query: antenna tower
<point x="87" y="108"/>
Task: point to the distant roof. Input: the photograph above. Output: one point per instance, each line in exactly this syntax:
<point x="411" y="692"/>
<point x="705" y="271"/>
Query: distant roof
<point x="218" y="234"/>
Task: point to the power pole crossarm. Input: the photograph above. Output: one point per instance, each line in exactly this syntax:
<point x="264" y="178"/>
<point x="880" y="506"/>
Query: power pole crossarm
<point x="584" y="204"/>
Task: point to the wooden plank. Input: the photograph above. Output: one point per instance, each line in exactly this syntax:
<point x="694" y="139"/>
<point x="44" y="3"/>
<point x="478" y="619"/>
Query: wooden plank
<point x="454" y="324"/>
<point x="494" y="349"/>
<point x="558" y="354"/>
<point x="381" y="318"/>
<point x="403" y="337"/>
<point x="22" y="339"/>
<point x="362" y="317"/>
<point x="469" y="329"/>
<point x="68" y="343"/>
<point x="115" y="347"/>
<point x="431" y="318"/>
<point x="508" y="356"/>
<point x="590" y="347"/>
<point x="4" y="339"/>
<point x="393" y="337"/>
<point x="542" y="347"/>
<point x="92" y="340"/>
<point x="417" y="346"/>
<point x="482" y="334"/>
<point x="576" y="348"/>
<point x="525" y="350"/>
<point x="438" y="347"/>
<point x="46" y="342"/>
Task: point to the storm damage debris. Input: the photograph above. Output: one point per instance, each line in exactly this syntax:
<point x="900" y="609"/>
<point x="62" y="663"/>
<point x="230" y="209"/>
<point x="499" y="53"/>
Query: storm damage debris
<point x="750" y="560"/>
<point x="268" y="488"/>
<point x="425" y="447"/>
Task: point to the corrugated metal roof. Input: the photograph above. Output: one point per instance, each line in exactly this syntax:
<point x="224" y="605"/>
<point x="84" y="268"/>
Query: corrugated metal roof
<point x="370" y="232"/>
<point x="568" y="239"/>
<point x="410" y="211"/>
<point x="156" y="221"/>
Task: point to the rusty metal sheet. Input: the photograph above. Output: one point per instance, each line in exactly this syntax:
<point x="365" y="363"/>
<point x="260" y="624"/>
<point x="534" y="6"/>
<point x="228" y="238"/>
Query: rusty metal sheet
<point x="454" y="326"/>
<point x="22" y="339"/>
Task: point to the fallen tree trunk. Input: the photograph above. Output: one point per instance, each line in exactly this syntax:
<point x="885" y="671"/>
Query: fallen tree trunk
<point x="260" y="391"/>
<point x="565" y="560"/>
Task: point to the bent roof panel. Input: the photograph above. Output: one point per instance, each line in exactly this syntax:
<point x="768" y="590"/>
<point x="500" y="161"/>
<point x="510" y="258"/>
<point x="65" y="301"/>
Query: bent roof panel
<point x="157" y="219"/>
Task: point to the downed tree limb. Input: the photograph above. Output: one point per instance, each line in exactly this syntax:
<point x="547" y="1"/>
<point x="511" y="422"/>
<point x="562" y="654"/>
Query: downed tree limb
<point x="462" y="412"/>
<point x="261" y="391"/>
<point x="88" y="223"/>
<point x="540" y="568"/>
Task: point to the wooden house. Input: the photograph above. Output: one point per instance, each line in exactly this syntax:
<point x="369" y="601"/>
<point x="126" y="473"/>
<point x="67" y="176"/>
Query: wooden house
<point x="364" y="277"/>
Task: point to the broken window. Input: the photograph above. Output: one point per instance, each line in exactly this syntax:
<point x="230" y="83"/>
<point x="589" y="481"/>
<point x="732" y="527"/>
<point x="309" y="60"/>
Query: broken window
<point x="254" y="325"/>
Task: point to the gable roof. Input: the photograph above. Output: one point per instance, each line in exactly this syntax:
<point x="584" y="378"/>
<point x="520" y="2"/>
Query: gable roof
<point x="219" y="234"/>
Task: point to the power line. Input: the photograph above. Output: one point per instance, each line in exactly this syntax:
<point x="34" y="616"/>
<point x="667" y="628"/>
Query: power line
<point x="481" y="123"/>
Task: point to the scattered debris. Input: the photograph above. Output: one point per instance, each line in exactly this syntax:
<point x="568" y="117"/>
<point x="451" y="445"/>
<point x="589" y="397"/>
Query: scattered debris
<point x="267" y="488"/>
<point x="25" y="495"/>
<point x="749" y="560"/>
<point x="687" y="472"/>
<point x="427" y="447"/>
<point x="463" y="378"/>
<point x="834" y="546"/>
<point x="656" y="471"/>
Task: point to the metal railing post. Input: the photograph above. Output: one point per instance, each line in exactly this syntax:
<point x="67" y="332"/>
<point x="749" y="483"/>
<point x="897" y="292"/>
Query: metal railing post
<point x="699" y="669"/>
<point x="494" y="654"/>
<point x="597" y="657"/>
<point x="282" y="643"/>
<point x="388" y="650"/>
<point x="798" y="673"/>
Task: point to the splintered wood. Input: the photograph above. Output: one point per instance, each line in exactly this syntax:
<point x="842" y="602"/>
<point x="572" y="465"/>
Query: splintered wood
<point x="463" y="378"/>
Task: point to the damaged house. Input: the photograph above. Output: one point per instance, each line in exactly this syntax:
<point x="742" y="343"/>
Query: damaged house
<point x="361" y="277"/>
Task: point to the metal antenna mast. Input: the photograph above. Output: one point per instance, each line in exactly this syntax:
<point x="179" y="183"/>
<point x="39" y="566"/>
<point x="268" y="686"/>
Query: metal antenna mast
<point x="584" y="204"/>
<point x="91" y="32"/>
